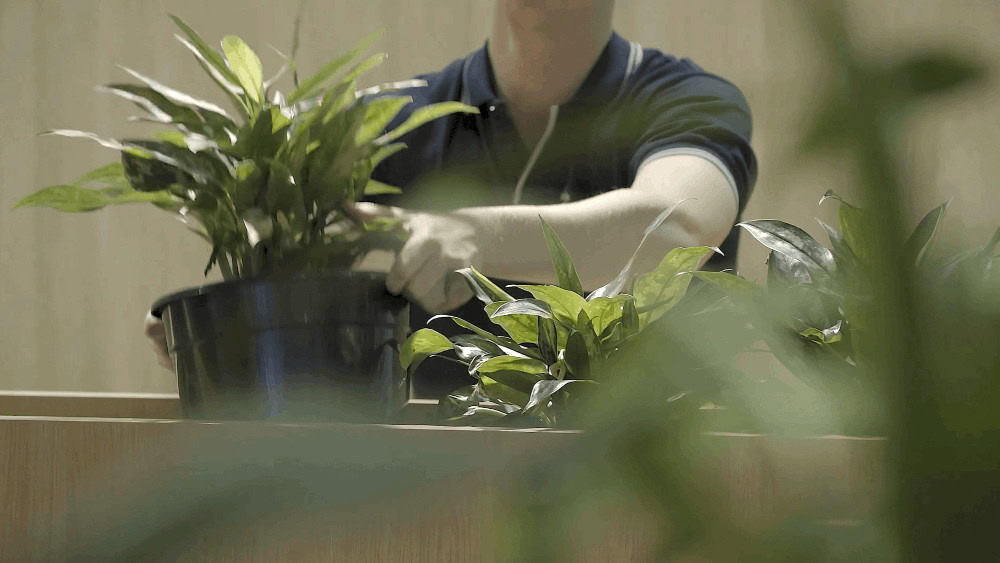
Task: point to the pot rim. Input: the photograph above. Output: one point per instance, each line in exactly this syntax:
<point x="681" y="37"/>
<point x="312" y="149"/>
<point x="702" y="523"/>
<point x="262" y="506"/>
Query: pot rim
<point x="160" y="304"/>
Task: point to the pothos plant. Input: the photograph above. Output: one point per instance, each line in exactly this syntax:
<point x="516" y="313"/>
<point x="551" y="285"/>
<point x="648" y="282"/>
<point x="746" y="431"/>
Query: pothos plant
<point x="555" y="341"/>
<point x="830" y="287"/>
<point x="814" y="312"/>
<point x="268" y="188"/>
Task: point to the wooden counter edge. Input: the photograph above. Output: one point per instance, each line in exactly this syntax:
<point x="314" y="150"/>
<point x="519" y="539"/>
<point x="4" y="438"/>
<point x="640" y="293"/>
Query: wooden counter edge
<point x="77" y="404"/>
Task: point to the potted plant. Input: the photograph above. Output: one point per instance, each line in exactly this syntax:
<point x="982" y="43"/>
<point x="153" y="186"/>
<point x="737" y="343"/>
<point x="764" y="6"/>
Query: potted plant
<point x="557" y="341"/>
<point x="291" y="330"/>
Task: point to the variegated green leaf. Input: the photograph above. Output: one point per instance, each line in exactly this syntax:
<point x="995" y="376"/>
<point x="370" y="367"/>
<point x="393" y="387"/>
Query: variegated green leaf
<point x="545" y="390"/>
<point x="487" y="291"/>
<point x="566" y="275"/>
<point x="621" y="281"/>
<point x="521" y="328"/>
<point x="422" y="344"/>
<point x="374" y="187"/>
<point x="423" y="115"/>
<point x="245" y="65"/>
<point x="565" y="304"/>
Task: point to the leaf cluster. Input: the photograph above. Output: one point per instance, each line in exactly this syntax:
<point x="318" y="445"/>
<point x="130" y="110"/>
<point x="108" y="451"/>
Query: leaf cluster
<point x="269" y="187"/>
<point x="815" y="311"/>
<point x="555" y="342"/>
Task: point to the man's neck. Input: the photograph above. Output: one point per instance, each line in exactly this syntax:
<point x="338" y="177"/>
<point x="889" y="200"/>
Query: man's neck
<point x="542" y="51"/>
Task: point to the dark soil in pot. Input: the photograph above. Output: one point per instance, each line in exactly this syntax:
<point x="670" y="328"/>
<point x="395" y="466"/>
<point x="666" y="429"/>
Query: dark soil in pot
<point x="322" y="348"/>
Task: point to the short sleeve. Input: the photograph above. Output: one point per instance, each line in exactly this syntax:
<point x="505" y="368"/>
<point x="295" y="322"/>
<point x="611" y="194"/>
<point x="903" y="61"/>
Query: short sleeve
<point x="681" y="109"/>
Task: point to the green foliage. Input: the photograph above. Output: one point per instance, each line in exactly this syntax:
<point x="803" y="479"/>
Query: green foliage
<point x="421" y="344"/>
<point x="559" y="343"/>
<point x="101" y="187"/>
<point x="565" y="270"/>
<point x="621" y="281"/>
<point x="816" y="312"/>
<point x="268" y="188"/>
<point x="813" y="315"/>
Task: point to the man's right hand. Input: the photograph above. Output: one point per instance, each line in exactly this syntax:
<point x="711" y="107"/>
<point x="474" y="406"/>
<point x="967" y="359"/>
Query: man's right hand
<point x="157" y="338"/>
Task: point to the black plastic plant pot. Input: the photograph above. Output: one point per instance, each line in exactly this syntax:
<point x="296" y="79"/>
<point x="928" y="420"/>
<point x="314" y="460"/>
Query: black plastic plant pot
<point x="321" y="348"/>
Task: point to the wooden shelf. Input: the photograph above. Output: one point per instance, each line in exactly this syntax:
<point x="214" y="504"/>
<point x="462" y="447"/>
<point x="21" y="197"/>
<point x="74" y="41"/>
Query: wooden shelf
<point x="352" y="492"/>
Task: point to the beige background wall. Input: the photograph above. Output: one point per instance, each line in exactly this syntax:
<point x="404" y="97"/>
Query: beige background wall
<point x="74" y="288"/>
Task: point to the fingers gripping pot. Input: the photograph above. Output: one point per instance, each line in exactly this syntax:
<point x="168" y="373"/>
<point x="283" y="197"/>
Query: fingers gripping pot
<point x="321" y="348"/>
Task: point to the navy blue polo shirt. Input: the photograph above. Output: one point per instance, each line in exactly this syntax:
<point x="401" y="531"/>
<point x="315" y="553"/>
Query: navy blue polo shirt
<point x="635" y="105"/>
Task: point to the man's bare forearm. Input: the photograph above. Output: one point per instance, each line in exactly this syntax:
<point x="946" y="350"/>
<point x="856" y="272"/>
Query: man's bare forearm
<point x="601" y="232"/>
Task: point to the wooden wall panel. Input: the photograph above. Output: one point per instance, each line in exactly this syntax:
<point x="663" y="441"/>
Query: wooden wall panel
<point x="73" y="289"/>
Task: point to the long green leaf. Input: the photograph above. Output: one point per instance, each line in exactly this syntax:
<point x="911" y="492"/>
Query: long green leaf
<point x="661" y="289"/>
<point x="159" y="151"/>
<point x="604" y="311"/>
<point x="374" y="187"/>
<point x="250" y="182"/>
<point x="363" y="67"/>
<point x="109" y="174"/>
<point x="103" y="141"/>
<point x="528" y="366"/>
<point x="565" y="304"/>
<point x="544" y="390"/>
<point x="422" y="115"/>
<point x="310" y="85"/>
<point x="392" y="87"/>
<point x="500" y="392"/>
<point x="566" y="275"/>
<point x="521" y="328"/>
<point x="923" y="236"/>
<point x="296" y="29"/>
<point x="577" y="355"/>
<point x="74" y="199"/>
<point x="548" y="340"/>
<point x="791" y="241"/>
<point x="730" y="284"/>
<point x="209" y="54"/>
<point x="201" y="167"/>
<point x="474" y="348"/>
<point x="378" y="114"/>
<point x="385" y="152"/>
<point x="422" y="344"/>
<point x="533" y="307"/>
<point x="71" y="199"/>
<point x="783" y="271"/>
<point x="163" y="110"/>
<point x="518" y="373"/>
<point x="509" y="344"/>
<point x="842" y="253"/>
<point x="153" y="108"/>
<point x="855" y="231"/>
<point x="485" y="290"/>
<point x="618" y="284"/>
<point x="932" y="72"/>
<point x="631" y="323"/>
<point x="245" y="65"/>
<point x="177" y="96"/>
<point x="229" y="87"/>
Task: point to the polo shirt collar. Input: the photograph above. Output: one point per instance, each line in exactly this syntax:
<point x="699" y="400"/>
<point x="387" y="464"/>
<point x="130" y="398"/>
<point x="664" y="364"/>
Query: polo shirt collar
<point x="602" y="82"/>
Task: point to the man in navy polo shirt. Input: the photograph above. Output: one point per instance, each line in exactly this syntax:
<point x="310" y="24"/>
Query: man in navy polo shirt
<point x="578" y="125"/>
